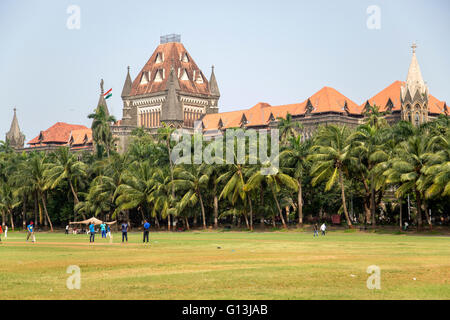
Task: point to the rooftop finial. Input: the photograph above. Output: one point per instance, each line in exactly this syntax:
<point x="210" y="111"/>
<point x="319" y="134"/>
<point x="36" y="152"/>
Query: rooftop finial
<point x="414" y="47"/>
<point x="101" y="86"/>
<point x="14" y="109"/>
<point x="212" y="67"/>
<point x="128" y="68"/>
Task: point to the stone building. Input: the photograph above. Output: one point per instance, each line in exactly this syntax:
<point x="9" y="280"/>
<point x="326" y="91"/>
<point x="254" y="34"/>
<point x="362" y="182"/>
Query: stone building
<point x="14" y="137"/>
<point x="169" y="88"/>
<point x="409" y="100"/>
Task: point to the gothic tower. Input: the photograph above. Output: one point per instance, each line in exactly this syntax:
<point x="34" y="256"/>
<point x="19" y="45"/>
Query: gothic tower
<point x="414" y="94"/>
<point x="15" y="138"/>
<point x="170" y="88"/>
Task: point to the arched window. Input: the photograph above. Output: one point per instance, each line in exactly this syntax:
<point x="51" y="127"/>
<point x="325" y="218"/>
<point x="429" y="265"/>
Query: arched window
<point x="417" y="119"/>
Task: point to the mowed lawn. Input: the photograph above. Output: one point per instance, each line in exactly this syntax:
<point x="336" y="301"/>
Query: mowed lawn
<point x="226" y="265"/>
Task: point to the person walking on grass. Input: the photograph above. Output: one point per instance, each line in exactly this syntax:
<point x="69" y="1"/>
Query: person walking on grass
<point x="316" y="230"/>
<point x="30" y="232"/>
<point x="103" y="229"/>
<point x="124" y="231"/>
<point x="1" y="231"/>
<point x="67" y="229"/>
<point x="146" y="230"/>
<point x="6" y="231"/>
<point x="108" y="232"/>
<point x="92" y="232"/>
<point x="323" y="227"/>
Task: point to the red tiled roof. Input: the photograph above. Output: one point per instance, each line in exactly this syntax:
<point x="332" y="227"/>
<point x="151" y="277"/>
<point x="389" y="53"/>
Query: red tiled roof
<point x="81" y="136"/>
<point x="329" y="99"/>
<point x="172" y="54"/>
<point x="325" y="100"/>
<point x="435" y="106"/>
<point x="59" y="133"/>
<point x="390" y="92"/>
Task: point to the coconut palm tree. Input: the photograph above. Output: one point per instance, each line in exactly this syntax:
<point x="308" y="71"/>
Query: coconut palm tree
<point x="274" y="181"/>
<point x="295" y="163"/>
<point x="288" y="128"/>
<point x="101" y="130"/>
<point x="136" y="187"/>
<point x="332" y="156"/>
<point x="33" y="176"/>
<point x="192" y="181"/>
<point x="65" y="167"/>
<point x="407" y="168"/>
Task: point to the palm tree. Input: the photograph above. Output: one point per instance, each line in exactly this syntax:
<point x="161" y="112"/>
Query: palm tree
<point x="136" y="188"/>
<point x="101" y="130"/>
<point x="160" y="195"/>
<point x="65" y="167"/>
<point x="295" y="162"/>
<point x="34" y="178"/>
<point x="332" y="156"/>
<point x="368" y="146"/>
<point x="408" y="166"/>
<point x="8" y="201"/>
<point x="288" y="128"/>
<point x="275" y="181"/>
<point x="191" y="180"/>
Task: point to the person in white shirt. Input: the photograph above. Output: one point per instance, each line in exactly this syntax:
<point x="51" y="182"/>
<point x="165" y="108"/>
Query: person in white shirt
<point x="6" y="231"/>
<point x="323" y="227"/>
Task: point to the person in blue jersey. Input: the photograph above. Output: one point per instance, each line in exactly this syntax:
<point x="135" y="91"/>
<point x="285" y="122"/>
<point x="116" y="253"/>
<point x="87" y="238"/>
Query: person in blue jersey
<point x="146" y="230"/>
<point x="124" y="231"/>
<point x="103" y="229"/>
<point x="92" y="232"/>
<point x="30" y="232"/>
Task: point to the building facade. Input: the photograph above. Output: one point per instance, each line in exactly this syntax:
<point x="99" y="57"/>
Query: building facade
<point x="170" y="89"/>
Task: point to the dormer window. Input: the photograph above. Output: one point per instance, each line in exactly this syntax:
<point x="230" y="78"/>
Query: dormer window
<point x="185" y="57"/>
<point x="144" y="78"/>
<point x="389" y="105"/>
<point x="159" y="76"/>
<point x="198" y="77"/>
<point x="159" y="57"/>
<point x="184" y="75"/>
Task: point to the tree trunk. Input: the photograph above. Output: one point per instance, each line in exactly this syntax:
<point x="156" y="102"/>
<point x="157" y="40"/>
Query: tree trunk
<point x="11" y="219"/>
<point x="203" y="209"/>
<point x="344" y="205"/>
<point x="168" y="222"/>
<point x="44" y="200"/>
<point x="401" y="213"/>
<point x="187" y="223"/>
<point x="156" y="221"/>
<point x="75" y="197"/>
<point x="419" y="210"/>
<point x="300" y="204"/>
<point x="279" y="208"/>
<point x="287" y="214"/>
<point x="37" y="209"/>
<point x="3" y="220"/>
<point x="367" y="211"/>
<point x="195" y="219"/>
<point x="24" y="212"/>
<point x="246" y="221"/>
<point x="261" y="222"/>
<point x="427" y="215"/>
<point x="251" y="213"/>
<point x="216" y="208"/>
<point x="372" y="205"/>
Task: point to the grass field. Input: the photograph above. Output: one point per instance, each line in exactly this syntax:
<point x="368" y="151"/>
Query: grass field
<point x="189" y="265"/>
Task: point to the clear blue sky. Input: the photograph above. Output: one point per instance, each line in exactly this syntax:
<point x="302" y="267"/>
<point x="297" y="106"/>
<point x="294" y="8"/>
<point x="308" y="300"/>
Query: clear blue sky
<point x="273" y="51"/>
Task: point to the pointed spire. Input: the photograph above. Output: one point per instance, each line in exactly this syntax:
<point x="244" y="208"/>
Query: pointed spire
<point x="14" y="136"/>
<point x="101" y="100"/>
<point x="214" y="88"/>
<point x="127" y="85"/>
<point x="172" y="109"/>
<point x="414" y="80"/>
